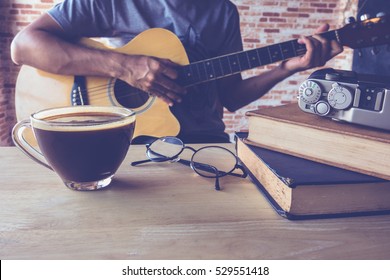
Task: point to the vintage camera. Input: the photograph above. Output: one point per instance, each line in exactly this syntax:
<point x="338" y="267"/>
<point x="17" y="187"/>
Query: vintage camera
<point x="347" y="96"/>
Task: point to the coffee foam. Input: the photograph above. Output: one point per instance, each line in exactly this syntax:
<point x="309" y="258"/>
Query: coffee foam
<point x="82" y="118"/>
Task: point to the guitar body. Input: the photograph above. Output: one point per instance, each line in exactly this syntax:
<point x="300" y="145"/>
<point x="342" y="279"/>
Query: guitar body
<point x="36" y="89"/>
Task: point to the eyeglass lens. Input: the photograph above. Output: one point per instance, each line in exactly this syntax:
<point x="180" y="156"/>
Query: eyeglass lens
<point x="166" y="147"/>
<point x="219" y="159"/>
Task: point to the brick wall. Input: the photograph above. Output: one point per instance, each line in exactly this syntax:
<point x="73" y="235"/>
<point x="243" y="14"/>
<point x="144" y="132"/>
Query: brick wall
<point x="268" y="22"/>
<point x="263" y="22"/>
<point x="14" y="15"/>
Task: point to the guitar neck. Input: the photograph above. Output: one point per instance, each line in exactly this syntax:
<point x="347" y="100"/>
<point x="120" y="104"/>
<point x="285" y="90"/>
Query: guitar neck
<point x="222" y="66"/>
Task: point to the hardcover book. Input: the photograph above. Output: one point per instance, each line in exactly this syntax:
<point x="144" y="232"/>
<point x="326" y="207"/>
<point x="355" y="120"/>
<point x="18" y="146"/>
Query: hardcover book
<point x="289" y="130"/>
<point x="299" y="188"/>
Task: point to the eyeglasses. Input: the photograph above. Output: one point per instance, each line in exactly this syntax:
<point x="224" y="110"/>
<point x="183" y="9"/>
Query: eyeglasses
<point x="209" y="161"/>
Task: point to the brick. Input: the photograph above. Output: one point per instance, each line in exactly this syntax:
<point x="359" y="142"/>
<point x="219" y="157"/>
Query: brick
<point x="318" y="5"/>
<point x="289" y="15"/>
<point x="327" y="11"/>
<point x="43" y="6"/>
<point x="21" y="6"/>
<point x="275" y="30"/>
<point x="292" y="9"/>
<point x="30" y="12"/>
<point x="277" y="20"/>
<point x="271" y="14"/>
<point x="242" y="8"/>
<point x="251" y="40"/>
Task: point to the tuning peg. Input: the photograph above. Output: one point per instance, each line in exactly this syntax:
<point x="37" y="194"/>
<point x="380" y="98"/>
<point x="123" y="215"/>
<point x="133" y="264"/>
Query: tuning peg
<point x="364" y="17"/>
<point x="380" y="14"/>
<point x="375" y="50"/>
<point x="360" y="53"/>
<point x="350" y="20"/>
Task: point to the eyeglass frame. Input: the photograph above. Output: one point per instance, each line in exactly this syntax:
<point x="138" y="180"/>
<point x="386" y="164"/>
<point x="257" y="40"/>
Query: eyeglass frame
<point x="191" y="163"/>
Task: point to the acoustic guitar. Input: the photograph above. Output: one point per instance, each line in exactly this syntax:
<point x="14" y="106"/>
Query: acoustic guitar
<point x="36" y="89"/>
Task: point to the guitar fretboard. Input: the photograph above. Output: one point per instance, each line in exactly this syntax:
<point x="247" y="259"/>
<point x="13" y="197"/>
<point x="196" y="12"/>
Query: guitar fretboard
<point x="215" y="68"/>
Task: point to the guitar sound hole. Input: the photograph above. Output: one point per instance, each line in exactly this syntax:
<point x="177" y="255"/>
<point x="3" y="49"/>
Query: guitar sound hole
<point x="128" y="96"/>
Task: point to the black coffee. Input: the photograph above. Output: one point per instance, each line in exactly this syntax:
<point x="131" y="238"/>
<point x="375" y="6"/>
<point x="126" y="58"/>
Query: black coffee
<point x="85" y="156"/>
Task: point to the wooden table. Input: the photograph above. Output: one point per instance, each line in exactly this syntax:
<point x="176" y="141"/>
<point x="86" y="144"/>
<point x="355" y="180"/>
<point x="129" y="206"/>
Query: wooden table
<point x="164" y="211"/>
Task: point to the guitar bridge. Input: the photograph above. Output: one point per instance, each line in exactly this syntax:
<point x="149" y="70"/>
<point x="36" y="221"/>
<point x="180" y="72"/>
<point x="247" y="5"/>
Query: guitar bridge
<point x="78" y="95"/>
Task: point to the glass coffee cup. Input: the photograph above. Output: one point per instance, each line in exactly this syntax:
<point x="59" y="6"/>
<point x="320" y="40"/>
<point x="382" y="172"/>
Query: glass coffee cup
<point x="84" y="145"/>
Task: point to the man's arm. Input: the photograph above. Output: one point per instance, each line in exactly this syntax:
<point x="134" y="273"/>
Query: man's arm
<point x="236" y="93"/>
<point x="44" y="45"/>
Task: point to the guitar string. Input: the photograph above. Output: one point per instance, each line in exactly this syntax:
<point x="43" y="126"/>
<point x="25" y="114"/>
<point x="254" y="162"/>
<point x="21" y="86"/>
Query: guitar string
<point x="100" y="92"/>
<point x="361" y="6"/>
<point x="104" y="88"/>
<point x="122" y="91"/>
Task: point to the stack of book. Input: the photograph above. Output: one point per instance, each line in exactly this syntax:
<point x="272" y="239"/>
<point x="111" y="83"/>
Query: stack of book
<point x="314" y="167"/>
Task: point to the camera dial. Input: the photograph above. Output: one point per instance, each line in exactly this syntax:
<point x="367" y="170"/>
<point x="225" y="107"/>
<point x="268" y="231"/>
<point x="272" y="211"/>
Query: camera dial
<point x="309" y="92"/>
<point x="339" y="97"/>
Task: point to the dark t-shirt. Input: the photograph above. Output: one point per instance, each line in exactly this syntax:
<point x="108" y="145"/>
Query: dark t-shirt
<point x="206" y="29"/>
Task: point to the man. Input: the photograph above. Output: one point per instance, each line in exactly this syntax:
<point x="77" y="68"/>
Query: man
<point x="206" y="28"/>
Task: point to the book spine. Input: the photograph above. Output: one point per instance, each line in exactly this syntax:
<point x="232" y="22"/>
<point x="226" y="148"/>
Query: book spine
<point x="264" y="175"/>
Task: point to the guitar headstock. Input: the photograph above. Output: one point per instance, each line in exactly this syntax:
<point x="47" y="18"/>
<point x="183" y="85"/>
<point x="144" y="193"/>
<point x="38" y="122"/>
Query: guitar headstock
<point x="366" y="33"/>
